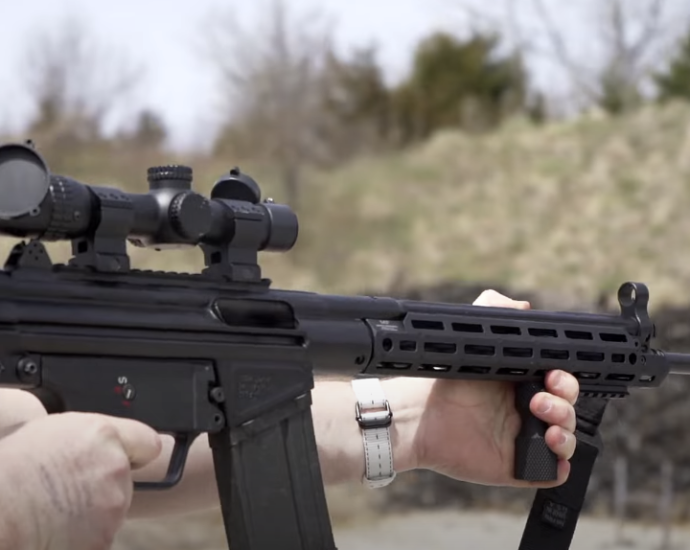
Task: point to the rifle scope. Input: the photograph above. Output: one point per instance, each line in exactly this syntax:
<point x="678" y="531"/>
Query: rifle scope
<point x="37" y="204"/>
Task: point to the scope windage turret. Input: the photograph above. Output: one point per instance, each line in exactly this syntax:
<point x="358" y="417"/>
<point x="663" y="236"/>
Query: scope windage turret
<point x="37" y="204"/>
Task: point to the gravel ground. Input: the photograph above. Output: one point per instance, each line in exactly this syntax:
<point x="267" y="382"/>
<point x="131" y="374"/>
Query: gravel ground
<point x="442" y="530"/>
<point x="451" y="530"/>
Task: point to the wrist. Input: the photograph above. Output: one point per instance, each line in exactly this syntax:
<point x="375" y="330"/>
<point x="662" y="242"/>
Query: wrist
<point x="407" y="408"/>
<point x="339" y="437"/>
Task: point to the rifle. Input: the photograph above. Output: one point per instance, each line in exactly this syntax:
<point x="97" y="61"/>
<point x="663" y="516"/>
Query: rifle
<point x="221" y="352"/>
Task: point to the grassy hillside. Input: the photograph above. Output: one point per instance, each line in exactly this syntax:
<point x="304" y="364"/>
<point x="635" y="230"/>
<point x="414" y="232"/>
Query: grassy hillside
<point x="576" y="207"/>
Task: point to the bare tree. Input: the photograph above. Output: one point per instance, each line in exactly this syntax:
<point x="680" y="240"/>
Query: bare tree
<point x="626" y="38"/>
<point x="272" y="80"/>
<point x="74" y="81"/>
<point x="607" y="62"/>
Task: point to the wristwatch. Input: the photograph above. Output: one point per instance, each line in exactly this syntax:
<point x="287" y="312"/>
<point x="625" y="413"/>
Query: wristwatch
<point x="374" y="416"/>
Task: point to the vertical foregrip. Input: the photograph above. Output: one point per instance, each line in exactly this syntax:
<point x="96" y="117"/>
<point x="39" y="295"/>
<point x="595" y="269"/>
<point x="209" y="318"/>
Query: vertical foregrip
<point x="534" y="461"/>
<point x="269" y="482"/>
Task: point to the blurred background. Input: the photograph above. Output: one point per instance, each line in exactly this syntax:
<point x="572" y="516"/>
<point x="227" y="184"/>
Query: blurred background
<point x="431" y="149"/>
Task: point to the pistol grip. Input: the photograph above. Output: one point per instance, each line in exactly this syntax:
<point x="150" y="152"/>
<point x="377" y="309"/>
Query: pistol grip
<point x="534" y="461"/>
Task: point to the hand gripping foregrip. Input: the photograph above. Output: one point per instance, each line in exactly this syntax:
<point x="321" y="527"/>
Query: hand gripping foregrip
<point x="534" y="461"/>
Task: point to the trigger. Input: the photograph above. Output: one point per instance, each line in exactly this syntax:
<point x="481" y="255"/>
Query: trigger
<point x="51" y="401"/>
<point x="178" y="459"/>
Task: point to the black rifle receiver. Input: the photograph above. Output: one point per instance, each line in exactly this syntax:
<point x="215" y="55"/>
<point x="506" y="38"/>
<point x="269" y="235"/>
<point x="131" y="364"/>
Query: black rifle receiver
<point x="221" y="352"/>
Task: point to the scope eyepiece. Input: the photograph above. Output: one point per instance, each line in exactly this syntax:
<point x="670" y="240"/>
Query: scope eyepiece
<point x="24" y="181"/>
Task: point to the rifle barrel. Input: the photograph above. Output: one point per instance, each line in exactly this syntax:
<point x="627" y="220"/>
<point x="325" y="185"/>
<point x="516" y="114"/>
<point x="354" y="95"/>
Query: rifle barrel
<point x="680" y="363"/>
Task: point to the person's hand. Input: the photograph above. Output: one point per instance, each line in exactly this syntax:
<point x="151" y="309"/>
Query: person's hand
<point x="467" y="429"/>
<point x="69" y="478"/>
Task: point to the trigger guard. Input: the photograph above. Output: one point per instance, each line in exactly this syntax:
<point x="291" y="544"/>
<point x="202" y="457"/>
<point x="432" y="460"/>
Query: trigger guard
<point x="178" y="460"/>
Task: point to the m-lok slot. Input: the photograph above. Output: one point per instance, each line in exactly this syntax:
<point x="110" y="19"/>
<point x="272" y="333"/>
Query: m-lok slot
<point x="440" y="347"/>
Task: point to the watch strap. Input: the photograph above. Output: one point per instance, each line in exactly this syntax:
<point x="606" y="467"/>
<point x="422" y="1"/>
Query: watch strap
<point x="374" y="416"/>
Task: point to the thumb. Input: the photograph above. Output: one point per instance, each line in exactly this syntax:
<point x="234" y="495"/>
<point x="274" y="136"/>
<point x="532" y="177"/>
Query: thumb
<point x="491" y="298"/>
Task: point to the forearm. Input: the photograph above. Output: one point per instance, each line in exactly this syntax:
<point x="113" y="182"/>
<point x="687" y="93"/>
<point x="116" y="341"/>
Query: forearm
<point x="338" y="439"/>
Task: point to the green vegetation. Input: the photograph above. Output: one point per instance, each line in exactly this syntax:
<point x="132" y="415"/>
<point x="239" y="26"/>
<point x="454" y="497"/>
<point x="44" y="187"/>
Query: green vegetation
<point x="460" y="84"/>
<point x="674" y="83"/>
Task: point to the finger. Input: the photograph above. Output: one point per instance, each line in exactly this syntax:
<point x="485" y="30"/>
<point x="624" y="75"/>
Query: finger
<point x="563" y="472"/>
<point x="18" y="407"/>
<point x="141" y="443"/>
<point x="563" y="384"/>
<point x="562" y="475"/>
<point x="491" y="298"/>
<point x="553" y="410"/>
<point x="561" y="442"/>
